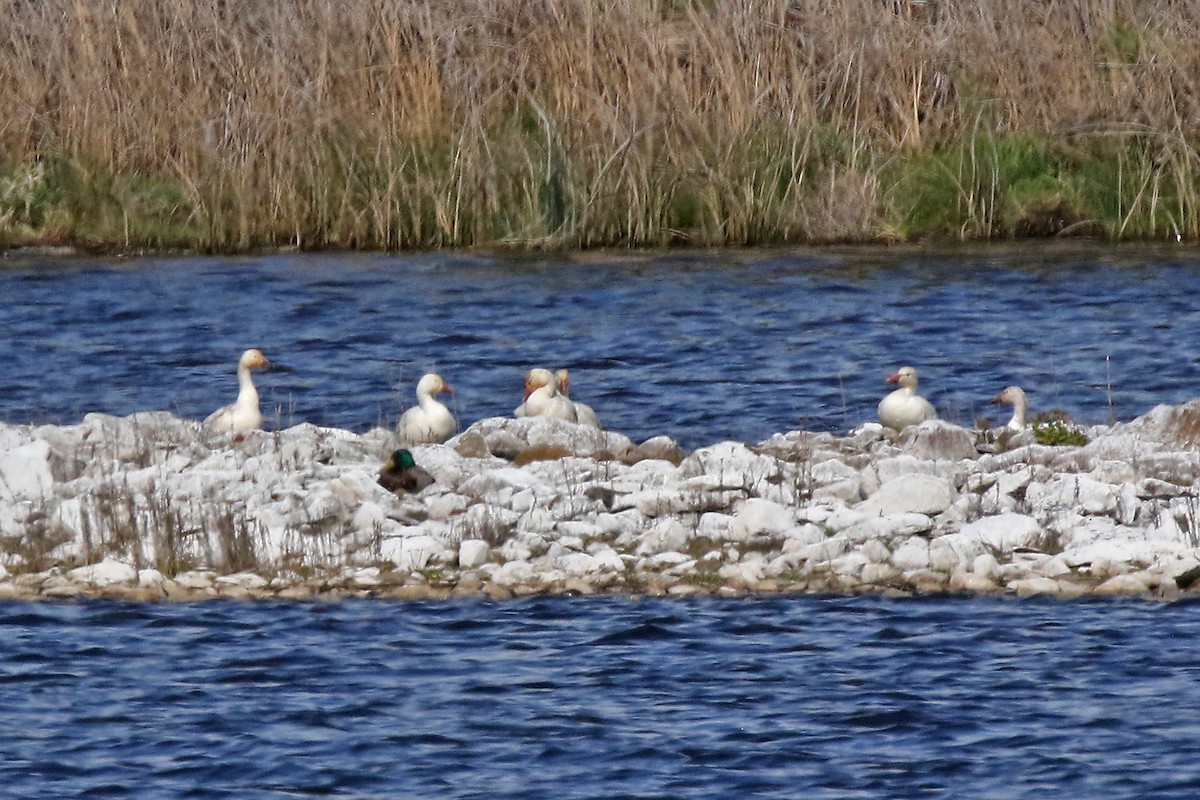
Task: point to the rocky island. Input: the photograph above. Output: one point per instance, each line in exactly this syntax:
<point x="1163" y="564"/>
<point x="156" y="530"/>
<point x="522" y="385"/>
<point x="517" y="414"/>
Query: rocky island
<point x="155" y="507"/>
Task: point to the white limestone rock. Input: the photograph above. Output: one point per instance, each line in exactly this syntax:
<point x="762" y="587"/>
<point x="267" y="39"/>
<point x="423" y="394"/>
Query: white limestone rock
<point x="1115" y="472"/>
<point x="515" y="573"/>
<point x="888" y="528"/>
<point x="847" y="491"/>
<point x="473" y="553"/>
<point x="851" y="565"/>
<point x="967" y="581"/>
<point x="411" y="553"/>
<point x="714" y="525"/>
<point x="25" y="472"/>
<point x="670" y="502"/>
<point x="837" y="518"/>
<point x="913" y="554"/>
<point x="913" y="493"/>
<point x="106" y="573"/>
<point x="883" y="470"/>
<point x="733" y="466"/>
<point x="876" y="552"/>
<point x="491" y="523"/>
<point x="1080" y="492"/>
<point x="667" y="535"/>
<point x="833" y="470"/>
<point x="195" y="579"/>
<point x="835" y="479"/>
<point x="1027" y="587"/>
<point x="368" y="518"/>
<point x="150" y="577"/>
<point x="824" y="551"/>
<point x="938" y="440"/>
<point x="986" y="566"/>
<point x="645" y="475"/>
<point x="1002" y="518"/>
<point x="579" y="564"/>
<point x="964" y="509"/>
<point x="670" y="561"/>
<point x="803" y="535"/>
<point x="1003" y="532"/>
<point x="507" y="437"/>
<point x="245" y="580"/>
<point x="875" y="573"/>
<point x="447" y="505"/>
<point x="757" y="517"/>
<point x="957" y="551"/>
<point x="1128" y="584"/>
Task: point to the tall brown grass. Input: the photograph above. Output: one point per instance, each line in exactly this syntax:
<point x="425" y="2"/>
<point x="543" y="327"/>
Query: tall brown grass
<point x="410" y="123"/>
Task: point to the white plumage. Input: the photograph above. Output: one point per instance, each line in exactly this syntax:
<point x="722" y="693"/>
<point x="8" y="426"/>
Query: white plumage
<point x="243" y="414"/>
<point x="429" y="421"/>
<point x="904" y="406"/>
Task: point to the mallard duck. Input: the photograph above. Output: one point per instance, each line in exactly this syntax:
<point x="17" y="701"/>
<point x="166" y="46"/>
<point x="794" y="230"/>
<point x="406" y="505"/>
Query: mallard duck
<point x="242" y="414"/>
<point x="402" y="475"/>
<point x="584" y="414"/>
<point x="429" y="421"/>
<point x="1014" y="396"/>
<point x="542" y="398"/>
<point x="904" y="406"/>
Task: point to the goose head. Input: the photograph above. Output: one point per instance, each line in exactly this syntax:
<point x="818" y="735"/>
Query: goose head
<point x="905" y="376"/>
<point x="432" y="384"/>
<point x="538" y="378"/>
<point x="253" y="359"/>
<point x="1015" y="397"/>
<point x="1012" y="395"/>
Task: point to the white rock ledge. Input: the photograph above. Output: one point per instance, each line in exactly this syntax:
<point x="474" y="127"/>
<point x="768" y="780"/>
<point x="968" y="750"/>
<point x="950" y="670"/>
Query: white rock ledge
<point x="153" y="507"/>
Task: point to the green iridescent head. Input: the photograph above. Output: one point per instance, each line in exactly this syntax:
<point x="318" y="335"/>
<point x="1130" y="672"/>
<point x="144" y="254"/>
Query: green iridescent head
<point x="402" y="460"/>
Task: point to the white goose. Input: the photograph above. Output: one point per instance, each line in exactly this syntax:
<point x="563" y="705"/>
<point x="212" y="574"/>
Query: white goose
<point x="904" y="406"/>
<point x="542" y="398"/>
<point x="243" y="414"/>
<point x="584" y="413"/>
<point x="429" y="421"/>
<point x="1014" y="396"/>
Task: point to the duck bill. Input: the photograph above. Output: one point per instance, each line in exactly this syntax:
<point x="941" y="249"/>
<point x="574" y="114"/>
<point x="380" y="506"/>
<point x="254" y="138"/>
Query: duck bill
<point x="892" y="378"/>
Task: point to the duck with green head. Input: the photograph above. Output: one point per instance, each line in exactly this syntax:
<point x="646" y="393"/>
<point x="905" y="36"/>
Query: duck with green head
<point x="402" y="475"/>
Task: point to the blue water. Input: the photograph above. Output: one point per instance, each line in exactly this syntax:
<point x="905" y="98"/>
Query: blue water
<point x="811" y="697"/>
<point x="604" y="698"/>
<point x="702" y="346"/>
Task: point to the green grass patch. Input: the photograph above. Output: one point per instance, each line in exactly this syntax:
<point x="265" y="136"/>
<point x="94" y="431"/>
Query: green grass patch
<point x="988" y="187"/>
<point x="64" y="201"/>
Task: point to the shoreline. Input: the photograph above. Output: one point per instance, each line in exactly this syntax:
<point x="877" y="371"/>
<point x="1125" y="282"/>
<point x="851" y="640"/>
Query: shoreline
<point x="152" y="507"/>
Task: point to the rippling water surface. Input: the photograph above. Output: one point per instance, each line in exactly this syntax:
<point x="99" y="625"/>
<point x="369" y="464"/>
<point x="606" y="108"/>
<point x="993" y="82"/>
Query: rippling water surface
<point x="701" y="346"/>
<point x="798" y="697"/>
<point x="601" y="698"/>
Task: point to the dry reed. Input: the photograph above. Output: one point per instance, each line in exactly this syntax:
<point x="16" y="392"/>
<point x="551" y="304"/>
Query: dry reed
<point x="402" y="123"/>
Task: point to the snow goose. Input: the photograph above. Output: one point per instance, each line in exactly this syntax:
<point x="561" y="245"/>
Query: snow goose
<point x="584" y="413"/>
<point x="401" y="474"/>
<point x="542" y="398"/>
<point x="904" y="406"/>
<point x="243" y="414"/>
<point x="1015" y="397"/>
<point x="428" y="422"/>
